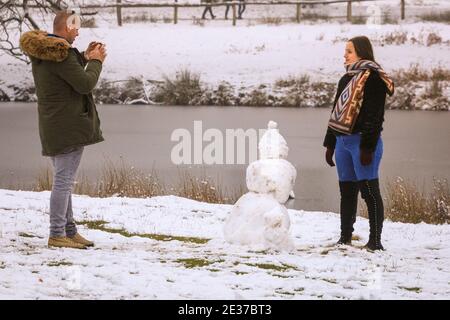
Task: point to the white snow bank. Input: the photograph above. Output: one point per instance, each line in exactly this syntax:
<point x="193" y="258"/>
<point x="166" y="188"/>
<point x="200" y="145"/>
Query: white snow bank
<point x="416" y="264"/>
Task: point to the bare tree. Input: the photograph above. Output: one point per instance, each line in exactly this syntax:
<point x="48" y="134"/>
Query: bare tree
<point x="17" y="15"/>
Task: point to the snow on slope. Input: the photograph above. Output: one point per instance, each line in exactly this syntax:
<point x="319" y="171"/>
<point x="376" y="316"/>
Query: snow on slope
<point x="135" y="258"/>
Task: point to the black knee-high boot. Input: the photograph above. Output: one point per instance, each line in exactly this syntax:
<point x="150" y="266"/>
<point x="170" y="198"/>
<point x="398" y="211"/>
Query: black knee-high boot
<point x="370" y="192"/>
<point x="349" y="205"/>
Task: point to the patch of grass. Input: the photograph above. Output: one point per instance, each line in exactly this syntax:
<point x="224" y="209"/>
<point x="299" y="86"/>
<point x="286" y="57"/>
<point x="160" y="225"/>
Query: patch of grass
<point x="240" y="273"/>
<point x="26" y="235"/>
<point x="407" y="203"/>
<point x="3" y="96"/>
<point x="415" y="74"/>
<point x="205" y="189"/>
<point x="438" y="17"/>
<point x="286" y="293"/>
<point x="139" y="18"/>
<point x="434" y="90"/>
<point x="433" y="38"/>
<point x="184" y="89"/>
<point x="280" y="276"/>
<point x="386" y="18"/>
<point x="291" y="81"/>
<point x="126" y="181"/>
<point x="59" y="263"/>
<point x="301" y="92"/>
<point x="167" y="19"/>
<point x="359" y="20"/>
<point x="100" y="225"/>
<point x="414" y="289"/>
<point x="116" y="180"/>
<point x="132" y="90"/>
<point x="88" y="23"/>
<point x="313" y="16"/>
<point x="194" y="262"/>
<point x="395" y="38"/>
<point x="122" y="180"/>
<point x="44" y="180"/>
<point x="333" y="281"/>
<point x="257" y="98"/>
<point x="271" y="20"/>
<point x="222" y="96"/>
<point x="270" y="266"/>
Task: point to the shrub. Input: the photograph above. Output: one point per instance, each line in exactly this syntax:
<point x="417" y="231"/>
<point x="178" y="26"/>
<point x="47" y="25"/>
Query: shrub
<point x="185" y="89"/>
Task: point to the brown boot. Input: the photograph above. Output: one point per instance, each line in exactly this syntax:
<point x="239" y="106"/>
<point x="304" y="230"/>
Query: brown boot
<point x="79" y="239"/>
<point x="64" y="242"/>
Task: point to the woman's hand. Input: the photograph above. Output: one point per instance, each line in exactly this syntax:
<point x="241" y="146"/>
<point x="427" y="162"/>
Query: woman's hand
<point x="365" y="157"/>
<point x="329" y="156"/>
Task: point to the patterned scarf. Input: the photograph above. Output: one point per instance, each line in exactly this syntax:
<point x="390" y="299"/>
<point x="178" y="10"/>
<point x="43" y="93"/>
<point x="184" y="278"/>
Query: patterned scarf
<point x="346" y="111"/>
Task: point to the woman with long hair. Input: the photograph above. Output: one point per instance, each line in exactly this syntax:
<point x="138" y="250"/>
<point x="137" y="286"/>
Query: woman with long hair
<point x="354" y="138"/>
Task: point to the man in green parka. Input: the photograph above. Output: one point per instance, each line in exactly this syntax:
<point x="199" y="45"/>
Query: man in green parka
<point x="68" y="118"/>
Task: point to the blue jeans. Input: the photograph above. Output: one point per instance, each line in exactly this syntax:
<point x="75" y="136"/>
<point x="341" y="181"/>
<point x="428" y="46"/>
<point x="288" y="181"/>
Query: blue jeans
<point x="348" y="163"/>
<point x="61" y="215"/>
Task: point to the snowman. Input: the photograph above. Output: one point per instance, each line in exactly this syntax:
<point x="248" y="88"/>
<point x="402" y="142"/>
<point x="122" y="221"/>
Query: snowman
<point x="259" y="217"/>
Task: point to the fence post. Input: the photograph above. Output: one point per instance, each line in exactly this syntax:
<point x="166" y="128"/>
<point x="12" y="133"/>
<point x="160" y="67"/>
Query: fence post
<point x="234" y="14"/>
<point x="119" y="13"/>
<point x="402" y="5"/>
<point x="298" y="13"/>
<point x="175" y="12"/>
<point x="349" y="11"/>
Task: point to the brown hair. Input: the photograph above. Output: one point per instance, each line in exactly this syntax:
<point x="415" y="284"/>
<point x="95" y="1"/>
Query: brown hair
<point x="363" y="47"/>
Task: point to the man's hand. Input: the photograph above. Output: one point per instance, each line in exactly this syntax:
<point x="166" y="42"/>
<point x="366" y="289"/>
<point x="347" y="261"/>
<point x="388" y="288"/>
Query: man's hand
<point x="329" y="156"/>
<point x="365" y="157"/>
<point x="98" y="52"/>
<point x="91" y="47"/>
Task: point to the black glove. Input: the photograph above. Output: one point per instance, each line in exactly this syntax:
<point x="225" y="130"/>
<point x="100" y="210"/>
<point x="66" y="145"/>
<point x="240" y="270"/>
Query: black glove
<point x="329" y="157"/>
<point x="365" y="157"/>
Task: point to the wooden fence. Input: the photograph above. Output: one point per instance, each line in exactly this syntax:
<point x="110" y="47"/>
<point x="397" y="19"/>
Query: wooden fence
<point x="177" y="6"/>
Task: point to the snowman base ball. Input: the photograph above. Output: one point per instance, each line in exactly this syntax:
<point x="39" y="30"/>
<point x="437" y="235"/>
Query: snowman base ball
<point x="259" y="219"/>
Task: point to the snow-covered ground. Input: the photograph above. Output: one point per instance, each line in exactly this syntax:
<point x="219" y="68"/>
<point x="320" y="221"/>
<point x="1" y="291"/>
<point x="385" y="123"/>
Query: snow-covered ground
<point x="151" y="265"/>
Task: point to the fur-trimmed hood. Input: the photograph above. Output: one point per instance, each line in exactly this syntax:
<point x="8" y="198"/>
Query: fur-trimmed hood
<point x="38" y="44"/>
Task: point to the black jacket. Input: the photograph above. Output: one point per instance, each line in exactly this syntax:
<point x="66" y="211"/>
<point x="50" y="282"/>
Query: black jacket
<point x="371" y="116"/>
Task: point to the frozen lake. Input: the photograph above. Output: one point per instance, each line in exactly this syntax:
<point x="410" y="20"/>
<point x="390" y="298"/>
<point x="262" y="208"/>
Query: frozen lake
<point x="416" y="145"/>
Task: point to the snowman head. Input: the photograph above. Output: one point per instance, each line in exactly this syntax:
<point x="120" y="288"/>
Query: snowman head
<point x="272" y="144"/>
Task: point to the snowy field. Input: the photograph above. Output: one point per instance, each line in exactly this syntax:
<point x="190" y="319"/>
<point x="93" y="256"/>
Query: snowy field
<point x="136" y="258"/>
<point x="247" y="56"/>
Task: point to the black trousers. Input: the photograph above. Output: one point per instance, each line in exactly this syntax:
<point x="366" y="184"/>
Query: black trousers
<point x="208" y="8"/>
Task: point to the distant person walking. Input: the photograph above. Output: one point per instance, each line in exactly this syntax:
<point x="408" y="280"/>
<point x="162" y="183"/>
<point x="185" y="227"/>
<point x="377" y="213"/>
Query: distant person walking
<point x="208" y="8"/>
<point x="241" y="8"/>
<point x="227" y="9"/>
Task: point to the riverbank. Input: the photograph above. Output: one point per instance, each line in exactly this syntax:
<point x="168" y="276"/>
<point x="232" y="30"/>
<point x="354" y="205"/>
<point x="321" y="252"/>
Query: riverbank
<point x="257" y="65"/>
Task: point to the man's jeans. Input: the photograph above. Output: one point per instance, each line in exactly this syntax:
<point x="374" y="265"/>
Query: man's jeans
<point x="61" y="215"/>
